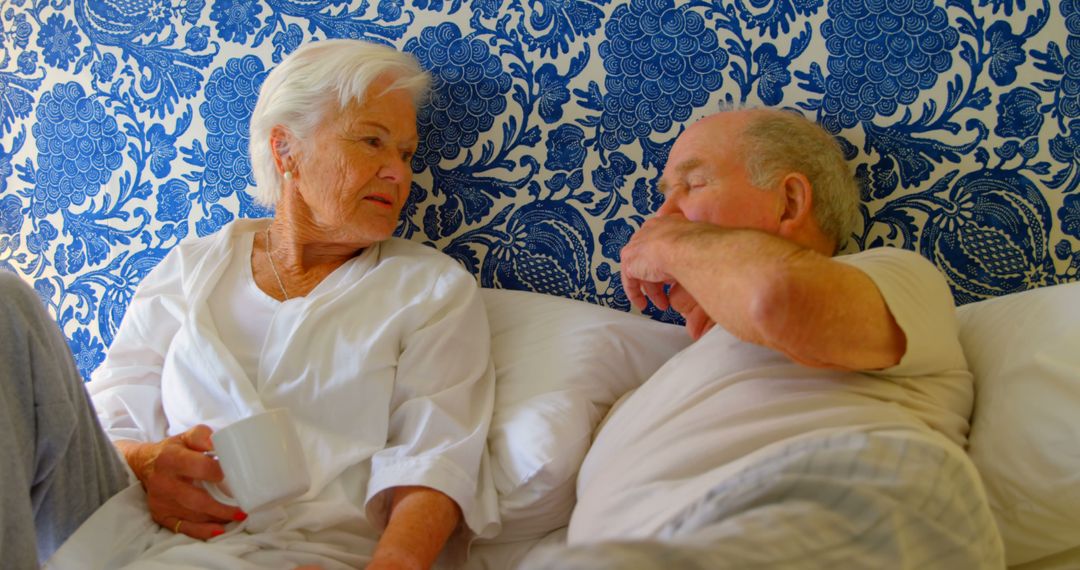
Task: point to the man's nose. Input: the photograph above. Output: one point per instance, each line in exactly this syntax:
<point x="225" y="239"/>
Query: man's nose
<point x="669" y="206"/>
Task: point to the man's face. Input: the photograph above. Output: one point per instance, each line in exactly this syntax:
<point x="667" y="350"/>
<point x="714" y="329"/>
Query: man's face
<point x="705" y="179"/>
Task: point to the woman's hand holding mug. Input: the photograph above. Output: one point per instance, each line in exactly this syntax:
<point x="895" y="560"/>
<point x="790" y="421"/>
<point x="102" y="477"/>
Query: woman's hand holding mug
<point x="169" y="470"/>
<point x="261" y="460"/>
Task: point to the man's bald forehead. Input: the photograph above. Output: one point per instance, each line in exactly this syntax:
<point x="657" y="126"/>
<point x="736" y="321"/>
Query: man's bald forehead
<point x="719" y="132"/>
<point x="734" y="122"/>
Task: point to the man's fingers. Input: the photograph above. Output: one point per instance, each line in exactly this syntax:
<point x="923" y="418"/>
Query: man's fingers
<point x="708" y="327"/>
<point x="698" y="321"/>
<point x="632" y="288"/>
<point x="697" y="324"/>
<point x="655" y="292"/>
<point x="641" y="292"/>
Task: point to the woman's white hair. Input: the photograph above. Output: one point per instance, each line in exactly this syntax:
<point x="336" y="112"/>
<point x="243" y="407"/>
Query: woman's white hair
<point x="776" y="143"/>
<point x="301" y="92"/>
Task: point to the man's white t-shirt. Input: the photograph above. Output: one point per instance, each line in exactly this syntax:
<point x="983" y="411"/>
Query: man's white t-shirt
<point x="722" y="399"/>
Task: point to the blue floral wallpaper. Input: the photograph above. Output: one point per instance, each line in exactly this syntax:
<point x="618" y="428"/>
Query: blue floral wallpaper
<point x="123" y="129"/>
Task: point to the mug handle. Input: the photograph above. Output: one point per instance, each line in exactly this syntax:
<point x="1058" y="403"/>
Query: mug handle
<point x="215" y="490"/>
<point x="218" y="494"/>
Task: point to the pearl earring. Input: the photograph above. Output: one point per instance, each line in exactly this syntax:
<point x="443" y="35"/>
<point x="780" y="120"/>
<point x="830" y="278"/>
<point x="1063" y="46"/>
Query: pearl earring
<point x="288" y="175"/>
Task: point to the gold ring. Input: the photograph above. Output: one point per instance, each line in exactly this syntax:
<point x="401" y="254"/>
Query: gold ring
<point x="176" y="529"/>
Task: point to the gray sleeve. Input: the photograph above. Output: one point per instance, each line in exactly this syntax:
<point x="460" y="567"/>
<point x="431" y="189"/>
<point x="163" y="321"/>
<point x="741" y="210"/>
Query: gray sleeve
<point x="58" y="466"/>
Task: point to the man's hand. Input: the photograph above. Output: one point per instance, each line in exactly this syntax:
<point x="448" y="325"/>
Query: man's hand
<point x="698" y="321"/>
<point x="763" y="289"/>
<point x="646" y="259"/>
<point x="169" y="470"/>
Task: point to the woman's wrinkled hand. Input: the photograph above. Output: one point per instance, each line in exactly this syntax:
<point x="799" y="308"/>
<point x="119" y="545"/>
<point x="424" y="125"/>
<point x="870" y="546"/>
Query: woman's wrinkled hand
<point x="169" y="471"/>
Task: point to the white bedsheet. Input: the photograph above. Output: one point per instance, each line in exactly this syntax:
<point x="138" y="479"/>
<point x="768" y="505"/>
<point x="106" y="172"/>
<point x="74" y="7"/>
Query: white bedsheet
<point x="100" y="543"/>
<point x="512" y="555"/>
<point x="903" y="499"/>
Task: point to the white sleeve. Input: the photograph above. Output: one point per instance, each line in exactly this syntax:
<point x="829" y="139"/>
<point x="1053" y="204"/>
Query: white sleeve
<point x="442" y="408"/>
<point x="126" y="388"/>
<point x="922" y="305"/>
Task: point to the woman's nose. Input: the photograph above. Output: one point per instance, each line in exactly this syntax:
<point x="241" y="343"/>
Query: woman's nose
<point x="396" y="169"/>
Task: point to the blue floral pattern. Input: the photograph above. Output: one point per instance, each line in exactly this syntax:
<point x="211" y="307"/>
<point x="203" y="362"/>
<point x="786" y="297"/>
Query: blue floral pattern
<point x="549" y="26"/>
<point x="1019" y="114"/>
<point x="79" y="146"/>
<point x="231" y="94"/>
<point x="565" y="150"/>
<point x="236" y="19"/>
<point x="1007" y="53"/>
<point x="1070" y="215"/>
<point x="881" y="55"/>
<point x="616" y="234"/>
<point x="469" y="95"/>
<point x="11" y="222"/>
<point x="661" y="61"/>
<point x="997" y="244"/>
<point x="1069" y="99"/>
<point x="59" y="41"/>
<point x="88" y="351"/>
<point x="124" y="129"/>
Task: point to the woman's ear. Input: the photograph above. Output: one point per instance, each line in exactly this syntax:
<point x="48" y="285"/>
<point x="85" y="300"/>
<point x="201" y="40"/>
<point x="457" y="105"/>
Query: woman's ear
<point x="281" y="147"/>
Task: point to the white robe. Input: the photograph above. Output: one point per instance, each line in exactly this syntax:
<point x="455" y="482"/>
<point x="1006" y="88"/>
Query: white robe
<point x="385" y="366"/>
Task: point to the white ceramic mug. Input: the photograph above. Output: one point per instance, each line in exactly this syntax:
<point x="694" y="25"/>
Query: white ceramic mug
<point x="262" y="460"/>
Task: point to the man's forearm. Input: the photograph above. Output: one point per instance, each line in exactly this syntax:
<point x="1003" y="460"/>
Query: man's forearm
<point x="728" y="272"/>
<point x="421" y="520"/>
<point x="772" y="292"/>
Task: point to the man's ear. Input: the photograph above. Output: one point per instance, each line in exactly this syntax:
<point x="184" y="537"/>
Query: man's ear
<point x="798" y="195"/>
<point x="282" y="147"/>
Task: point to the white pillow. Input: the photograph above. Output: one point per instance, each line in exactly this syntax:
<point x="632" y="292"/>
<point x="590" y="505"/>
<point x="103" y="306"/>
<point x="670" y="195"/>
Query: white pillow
<point x="1024" y="350"/>
<point x="559" y="365"/>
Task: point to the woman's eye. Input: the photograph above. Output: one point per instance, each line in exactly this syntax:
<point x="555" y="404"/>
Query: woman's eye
<point x="373" y="142"/>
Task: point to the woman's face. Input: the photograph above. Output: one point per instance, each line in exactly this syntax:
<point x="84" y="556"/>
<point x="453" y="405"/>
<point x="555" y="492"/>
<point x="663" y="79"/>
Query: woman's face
<point x="354" y="171"/>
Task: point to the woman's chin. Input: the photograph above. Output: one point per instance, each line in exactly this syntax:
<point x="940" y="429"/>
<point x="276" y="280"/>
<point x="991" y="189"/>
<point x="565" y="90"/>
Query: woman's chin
<point x="372" y="234"/>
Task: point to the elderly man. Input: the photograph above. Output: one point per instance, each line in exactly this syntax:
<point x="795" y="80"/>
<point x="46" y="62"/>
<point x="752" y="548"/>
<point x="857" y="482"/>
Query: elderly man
<point x="819" y="419"/>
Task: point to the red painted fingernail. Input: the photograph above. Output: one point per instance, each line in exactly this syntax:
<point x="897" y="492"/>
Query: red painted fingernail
<point x="240" y="516"/>
<point x="217" y="532"/>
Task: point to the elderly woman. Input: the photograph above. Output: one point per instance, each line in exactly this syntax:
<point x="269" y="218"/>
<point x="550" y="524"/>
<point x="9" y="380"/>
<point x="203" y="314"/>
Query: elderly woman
<point x="379" y="348"/>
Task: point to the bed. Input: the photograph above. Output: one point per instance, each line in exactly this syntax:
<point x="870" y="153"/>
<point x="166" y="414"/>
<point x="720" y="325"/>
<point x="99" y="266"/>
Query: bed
<point x="961" y="120"/>
<point x="554" y="390"/>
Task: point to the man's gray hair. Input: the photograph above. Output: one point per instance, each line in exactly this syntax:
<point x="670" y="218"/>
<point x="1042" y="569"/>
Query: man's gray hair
<point x="776" y="143"/>
<point x="315" y="83"/>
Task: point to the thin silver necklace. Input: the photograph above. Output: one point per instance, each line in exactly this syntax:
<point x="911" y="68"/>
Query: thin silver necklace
<point x="273" y="267"/>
